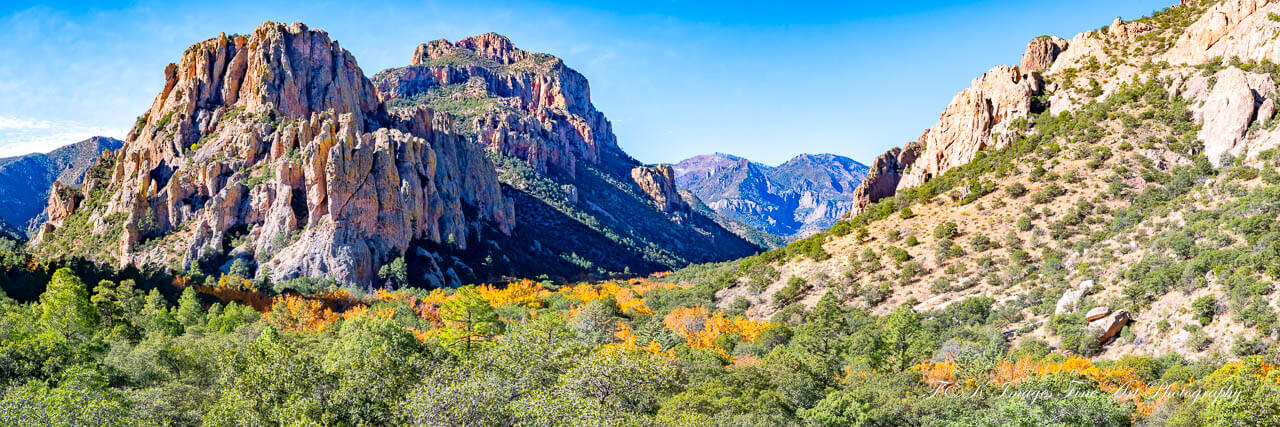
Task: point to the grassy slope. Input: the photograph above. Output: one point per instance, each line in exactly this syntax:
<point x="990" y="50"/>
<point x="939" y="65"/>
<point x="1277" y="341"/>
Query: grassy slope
<point x="1113" y="192"/>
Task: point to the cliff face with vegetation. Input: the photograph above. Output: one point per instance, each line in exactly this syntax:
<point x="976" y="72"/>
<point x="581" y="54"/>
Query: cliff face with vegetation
<point x="275" y="149"/>
<point x="1094" y="196"/>
<point x="580" y="197"/>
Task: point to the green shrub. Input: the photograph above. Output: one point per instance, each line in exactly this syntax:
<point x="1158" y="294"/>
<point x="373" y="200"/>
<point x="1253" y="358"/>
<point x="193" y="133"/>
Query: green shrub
<point x="898" y="255"/>
<point x="946" y="230"/>
<point x="1016" y="190"/>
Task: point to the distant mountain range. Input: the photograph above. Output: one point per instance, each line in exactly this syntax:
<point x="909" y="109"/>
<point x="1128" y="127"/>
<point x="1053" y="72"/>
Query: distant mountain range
<point x="25" y="180"/>
<point x="806" y="194"/>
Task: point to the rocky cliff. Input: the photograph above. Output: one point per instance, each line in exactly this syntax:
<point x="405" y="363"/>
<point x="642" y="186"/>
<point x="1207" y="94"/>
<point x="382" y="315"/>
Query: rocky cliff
<point x="977" y="118"/>
<point x="659" y="184"/>
<point x="807" y="193"/>
<point x="582" y="199"/>
<point x="25" y="181"/>
<point x="1196" y="38"/>
<point x="538" y="109"/>
<point x="883" y="176"/>
<point x="274" y="148"/>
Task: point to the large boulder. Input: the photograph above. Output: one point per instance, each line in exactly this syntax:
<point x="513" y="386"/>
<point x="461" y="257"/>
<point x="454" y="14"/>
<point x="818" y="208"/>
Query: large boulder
<point x="1096" y="313"/>
<point x="1110" y="327"/>
<point x="1068" y="301"/>
<point x="1232" y="100"/>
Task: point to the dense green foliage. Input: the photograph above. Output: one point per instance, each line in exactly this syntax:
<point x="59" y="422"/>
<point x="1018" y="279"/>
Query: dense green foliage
<point x="112" y="354"/>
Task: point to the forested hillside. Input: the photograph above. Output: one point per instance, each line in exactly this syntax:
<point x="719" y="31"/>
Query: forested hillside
<point x="236" y="352"/>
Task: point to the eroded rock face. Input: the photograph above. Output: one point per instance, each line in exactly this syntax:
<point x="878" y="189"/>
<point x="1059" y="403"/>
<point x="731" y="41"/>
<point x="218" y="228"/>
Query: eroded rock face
<point x="969" y="123"/>
<point x="1232" y="100"/>
<point x="1041" y="52"/>
<point x="63" y="201"/>
<point x="659" y="183"/>
<point x="1230" y="28"/>
<point x="884" y="175"/>
<point x="276" y="145"/>
<point x="537" y="95"/>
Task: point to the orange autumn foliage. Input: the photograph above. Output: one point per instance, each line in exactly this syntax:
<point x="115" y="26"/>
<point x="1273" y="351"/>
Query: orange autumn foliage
<point x="701" y="328"/>
<point x="294" y="313"/>
<point x="627" y="340"/>
<point x="524" y="293"/>
<point x="1120" y="381"/>
<point x="252" y="298"/>
<point x="355" y="312"/>
<point x="939" y="376"/>
<point x="182" y="281"/>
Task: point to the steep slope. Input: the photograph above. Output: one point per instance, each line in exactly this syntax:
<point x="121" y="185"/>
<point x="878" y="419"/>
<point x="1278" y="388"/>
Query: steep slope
<point x="273" y="148"/>
<point x="806" y="194"/>
<point x="25" y="180"/>
<point x="9" y="232"/>
<point x="580" y="197"/>
<point x="1121" y="194"/>
<point x="276" y="150"/>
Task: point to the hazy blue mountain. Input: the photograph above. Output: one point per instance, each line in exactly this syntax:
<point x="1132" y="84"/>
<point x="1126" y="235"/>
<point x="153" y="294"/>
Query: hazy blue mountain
<point x="805" y="194"/>
<point x="25" y="180"/>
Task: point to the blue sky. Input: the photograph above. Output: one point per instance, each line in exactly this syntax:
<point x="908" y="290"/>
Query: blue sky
<point x="764" y="80"/>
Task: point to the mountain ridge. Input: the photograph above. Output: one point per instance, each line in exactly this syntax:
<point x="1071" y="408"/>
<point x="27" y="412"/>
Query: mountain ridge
<point x="274" y="150"/>
<point x="804" y="194"/>
<point x="25" y="181"/>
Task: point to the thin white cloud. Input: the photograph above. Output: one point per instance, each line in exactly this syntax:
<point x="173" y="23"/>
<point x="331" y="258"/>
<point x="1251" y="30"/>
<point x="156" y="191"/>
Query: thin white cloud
<point x="20" y="135"/>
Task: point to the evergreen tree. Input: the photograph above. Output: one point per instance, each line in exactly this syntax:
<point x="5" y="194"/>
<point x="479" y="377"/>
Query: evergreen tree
<point x="65" y="305"/>
<point x="468" y="319"/>
<point x="190" y="313"/>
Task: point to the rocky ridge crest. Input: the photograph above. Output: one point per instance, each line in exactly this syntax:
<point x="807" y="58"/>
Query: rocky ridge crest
<point x="1228" y="101"/>
<point x="274" y="147"/>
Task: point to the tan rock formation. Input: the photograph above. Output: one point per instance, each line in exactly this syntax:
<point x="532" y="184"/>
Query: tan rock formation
<point x="1230" y="28"/>
<point x="658" y="182"/>
<point x="1041" y="52"/>
<point x="277" y="143"/>
<point x="1110" y="327"/>
<point x="1232" y="101"/>
<point x="62" y="202"/>
<point x="977" y="118"/>
<point x="883" y="177"/>
<point x="1096" y="313"/>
